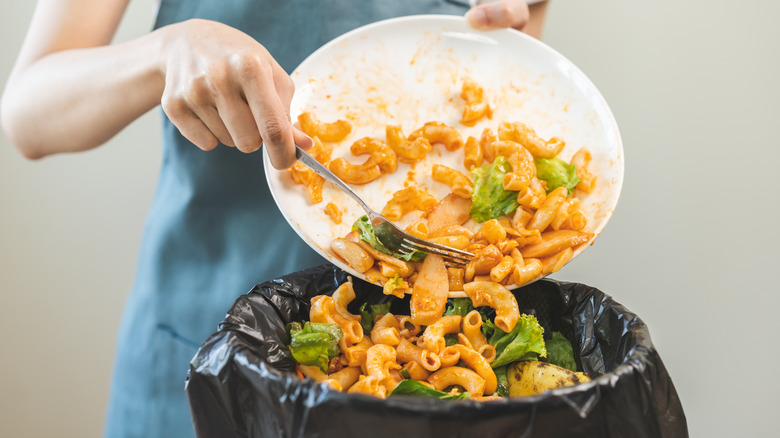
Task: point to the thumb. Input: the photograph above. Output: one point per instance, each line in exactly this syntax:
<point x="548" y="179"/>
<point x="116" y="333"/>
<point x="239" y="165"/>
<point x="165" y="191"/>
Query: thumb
<point x="500" y="14"/>
<point x="302" y="140"/>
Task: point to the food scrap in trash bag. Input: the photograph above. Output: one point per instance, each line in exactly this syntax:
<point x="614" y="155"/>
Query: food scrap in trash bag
<point x="242" y="381"/>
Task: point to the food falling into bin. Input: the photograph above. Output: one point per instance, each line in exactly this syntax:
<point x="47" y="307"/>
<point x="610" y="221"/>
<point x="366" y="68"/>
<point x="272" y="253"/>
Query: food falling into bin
<point x="462" y="354"/>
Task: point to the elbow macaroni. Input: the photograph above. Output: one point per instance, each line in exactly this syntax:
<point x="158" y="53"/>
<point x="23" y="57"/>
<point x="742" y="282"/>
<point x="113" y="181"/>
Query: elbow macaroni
<point x="477" y="106"/>
<point x="463" y="377"/>
<point x="407" y="200"/>
<point x="408" y="151"/>
<point x="488" y="293"/>
<point x="342" y="296"/>
<point x="459" y="182"/>
<point x="437" y="132"/>
<point x="330" y="132"/>
<point x="386" y="331"/>
<point x="581" y="161"/>
<point x="434" y="334"/>
<point x="537" y="146"/>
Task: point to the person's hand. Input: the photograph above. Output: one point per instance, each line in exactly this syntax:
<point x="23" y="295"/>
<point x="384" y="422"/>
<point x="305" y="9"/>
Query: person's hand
<point x="499" y="14"/>
<point x="223" y="86"/>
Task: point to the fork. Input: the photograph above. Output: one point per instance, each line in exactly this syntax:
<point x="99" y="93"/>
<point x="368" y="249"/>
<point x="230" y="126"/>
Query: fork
<point x="394" y="239"/>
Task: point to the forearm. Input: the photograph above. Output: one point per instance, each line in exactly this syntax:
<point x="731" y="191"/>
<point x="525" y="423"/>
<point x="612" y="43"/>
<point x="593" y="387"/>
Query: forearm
<point x="77" y="99"/>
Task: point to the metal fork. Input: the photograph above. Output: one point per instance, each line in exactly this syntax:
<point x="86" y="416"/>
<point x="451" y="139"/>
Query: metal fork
<point x="394" y="238"/>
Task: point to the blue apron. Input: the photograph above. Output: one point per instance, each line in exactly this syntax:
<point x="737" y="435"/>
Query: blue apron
<point x="213" y="230"/>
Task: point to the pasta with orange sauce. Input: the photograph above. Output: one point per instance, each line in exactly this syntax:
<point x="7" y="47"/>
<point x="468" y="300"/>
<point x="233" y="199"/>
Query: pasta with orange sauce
<point x="538" y="209"/>
<point x="451" y="359"/>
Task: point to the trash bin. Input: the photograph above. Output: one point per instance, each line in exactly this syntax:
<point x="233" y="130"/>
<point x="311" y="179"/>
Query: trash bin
<point x="242" y="381"/>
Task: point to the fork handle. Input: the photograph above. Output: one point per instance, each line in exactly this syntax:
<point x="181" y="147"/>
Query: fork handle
<point x="324" y="172"/>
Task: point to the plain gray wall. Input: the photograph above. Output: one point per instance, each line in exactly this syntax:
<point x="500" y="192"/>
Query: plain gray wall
<point x="692" y="246"/>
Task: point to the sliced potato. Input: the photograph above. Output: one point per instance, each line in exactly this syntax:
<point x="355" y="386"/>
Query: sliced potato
<point x="533" y="377"/>
<point x="451" y="210"/>
<point x="429" y="293"/>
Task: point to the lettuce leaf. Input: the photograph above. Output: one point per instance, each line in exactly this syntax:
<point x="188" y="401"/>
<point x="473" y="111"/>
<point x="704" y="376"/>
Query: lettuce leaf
<point x="314" y="343"/>
<point x="489" y="199"/>
<point x="393" y="284"/>
<point x="450" y="339"/>
<point x="367" y="234"/>
<point x="459" y="306"/>
<point x="557" y="173"/>
<point x="368" y="317"/>
<point x="524" y="342"/>
<point x="560" y="352"/>
<point x="415" y="388"/>
<point x="489" y="330"/>
<point x="502" y="389"/>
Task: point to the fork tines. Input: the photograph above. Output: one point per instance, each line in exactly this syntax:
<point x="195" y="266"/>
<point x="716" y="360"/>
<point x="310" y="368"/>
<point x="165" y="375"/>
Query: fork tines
<point x="451" y="256"/>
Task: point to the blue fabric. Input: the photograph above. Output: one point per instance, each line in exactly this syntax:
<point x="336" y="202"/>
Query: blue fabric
<point x="213" y="230"/>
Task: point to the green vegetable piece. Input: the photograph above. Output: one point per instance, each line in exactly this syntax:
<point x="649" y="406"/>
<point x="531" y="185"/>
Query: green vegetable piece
<point x="314" y="343"/>
<point x="394" y="283"/>
<point x="415" y="388"/>
<point x="557" y="173"/>
<point x="368" y="317"/>
<point x="560" y="352"/>
<point x="489" y="199"/>
<point x="293" y="328"/>
<point x="502" y="390"/>
<point x="404" y="373"/>
<point x="363" y="225"/>
<point x="311" y="349"/>
<point x="524" y="342"/>
<point x="459" y="306"/>
<point x="450" y="339"/>
<point x="489" y="329"/>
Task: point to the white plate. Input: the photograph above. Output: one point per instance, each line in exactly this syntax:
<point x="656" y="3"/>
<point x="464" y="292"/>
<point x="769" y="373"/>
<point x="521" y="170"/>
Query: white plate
<point x="408" y="71"/>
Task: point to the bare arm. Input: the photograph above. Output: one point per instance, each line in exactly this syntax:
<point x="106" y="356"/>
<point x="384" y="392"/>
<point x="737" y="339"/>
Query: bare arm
<point x="71" y="90"/>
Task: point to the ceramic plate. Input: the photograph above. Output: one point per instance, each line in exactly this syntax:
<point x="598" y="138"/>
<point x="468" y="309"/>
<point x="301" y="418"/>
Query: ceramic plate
<point x="408" y="71"/>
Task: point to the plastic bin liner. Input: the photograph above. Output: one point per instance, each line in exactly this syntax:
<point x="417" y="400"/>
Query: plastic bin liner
<point x="242" y="381"/>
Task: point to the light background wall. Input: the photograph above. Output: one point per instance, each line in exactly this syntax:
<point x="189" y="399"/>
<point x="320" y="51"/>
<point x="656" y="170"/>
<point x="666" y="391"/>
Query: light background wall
<point x="691" y="247"/>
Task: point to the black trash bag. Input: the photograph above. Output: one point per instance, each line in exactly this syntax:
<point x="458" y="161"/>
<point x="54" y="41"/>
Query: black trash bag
<point x="242" y="382"/>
